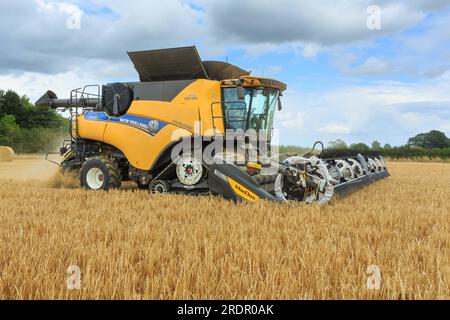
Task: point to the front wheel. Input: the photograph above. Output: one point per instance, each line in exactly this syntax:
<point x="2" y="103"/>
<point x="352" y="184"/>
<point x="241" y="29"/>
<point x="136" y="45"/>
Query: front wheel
<point x="142" y="186"/>
<point x="100" y="174"/>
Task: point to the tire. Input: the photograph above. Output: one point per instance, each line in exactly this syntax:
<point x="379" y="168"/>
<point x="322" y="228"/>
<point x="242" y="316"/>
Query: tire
<point x="159" y="187"/>
<point x="100" y="174"/>
<point x="198" y="165"/>
<point x="142" y="186"/>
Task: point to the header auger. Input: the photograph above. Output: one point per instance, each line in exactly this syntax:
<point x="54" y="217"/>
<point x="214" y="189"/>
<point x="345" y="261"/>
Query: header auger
<point x="197" y="127"/>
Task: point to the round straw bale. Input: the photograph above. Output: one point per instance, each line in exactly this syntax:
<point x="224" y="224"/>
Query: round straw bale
<point x="6" y="154"/>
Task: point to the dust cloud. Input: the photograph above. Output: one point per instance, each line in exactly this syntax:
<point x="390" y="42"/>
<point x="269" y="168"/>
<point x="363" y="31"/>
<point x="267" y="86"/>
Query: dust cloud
<point x="34" y="168"/>
<point x="64" y="180"/>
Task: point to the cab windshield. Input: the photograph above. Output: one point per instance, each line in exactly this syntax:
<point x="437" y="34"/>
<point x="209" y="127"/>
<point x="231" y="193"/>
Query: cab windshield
<point x="256" y="111"/>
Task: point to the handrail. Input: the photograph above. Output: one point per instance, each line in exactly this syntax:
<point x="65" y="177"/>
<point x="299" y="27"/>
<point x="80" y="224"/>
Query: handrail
<point x="78" y="98"/>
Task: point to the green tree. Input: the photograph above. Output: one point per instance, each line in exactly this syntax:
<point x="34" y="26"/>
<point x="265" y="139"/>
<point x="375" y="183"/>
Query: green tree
<point x="293" y="150"/>
<point x="338" y="144"/>
<point x="27" y="116"/>
<point x="376" y="146"/>
<point x="9" y="130"/>
<point x="430" y="140"/>
<point x="26" y="128"/>
<point x="10" y="103"/>
<point x="360" y="147"/>
<point x="387" y="146"/>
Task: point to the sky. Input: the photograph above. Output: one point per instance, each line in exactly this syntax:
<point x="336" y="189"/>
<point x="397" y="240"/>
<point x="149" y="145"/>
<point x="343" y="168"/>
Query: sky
<point x="356" y="70"/>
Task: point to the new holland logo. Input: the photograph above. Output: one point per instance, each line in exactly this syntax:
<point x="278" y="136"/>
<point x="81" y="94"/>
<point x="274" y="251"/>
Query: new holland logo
<point x="153" y="126"/>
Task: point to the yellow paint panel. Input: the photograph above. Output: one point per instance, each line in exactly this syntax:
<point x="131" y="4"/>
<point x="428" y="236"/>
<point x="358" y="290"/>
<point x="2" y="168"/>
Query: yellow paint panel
<point x="91" y="130"/>
<point x="242" y="191"/>
<point x="206" y="96"/>
<point x="177" y="114"/>
<point x="140" y="148"/>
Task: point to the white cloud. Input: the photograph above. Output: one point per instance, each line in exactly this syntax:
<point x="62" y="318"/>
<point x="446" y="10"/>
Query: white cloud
<point x="291" y="120"/>
<point x="372" y="66"/>
<point x="51" y="7"/>
<point x="274" y="70"/>
<point x="323" y="22"/>
<point x="337" y="129"/>
<point x="271" y="71"/>
<point x="34" y="85"/>
<point x="311" y="50"/>
<point x="385" y="111"/>
<point x="42" y="41"/>
<point x="258" y="49"/>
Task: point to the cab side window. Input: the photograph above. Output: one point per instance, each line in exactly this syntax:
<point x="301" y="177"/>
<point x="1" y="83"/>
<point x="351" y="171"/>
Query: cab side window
<point x="235" y="110"/>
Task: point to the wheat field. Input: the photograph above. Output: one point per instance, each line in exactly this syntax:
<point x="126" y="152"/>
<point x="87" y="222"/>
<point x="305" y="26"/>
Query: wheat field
<point x="132" y="245"/>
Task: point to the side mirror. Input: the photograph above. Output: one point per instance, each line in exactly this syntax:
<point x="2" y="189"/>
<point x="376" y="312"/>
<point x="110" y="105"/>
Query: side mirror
<point x="280" y="106"/>
<point x="240" y="92"/>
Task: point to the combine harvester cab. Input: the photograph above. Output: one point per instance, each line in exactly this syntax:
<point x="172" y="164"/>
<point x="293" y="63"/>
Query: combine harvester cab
<point x="131" y="131"/>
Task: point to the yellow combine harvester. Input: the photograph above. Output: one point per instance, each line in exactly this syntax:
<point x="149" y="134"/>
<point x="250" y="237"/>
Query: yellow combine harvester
<point x="197" y="127"/>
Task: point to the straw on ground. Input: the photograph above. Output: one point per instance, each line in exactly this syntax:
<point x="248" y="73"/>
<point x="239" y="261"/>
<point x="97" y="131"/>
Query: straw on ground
<point x="132" y="245"/>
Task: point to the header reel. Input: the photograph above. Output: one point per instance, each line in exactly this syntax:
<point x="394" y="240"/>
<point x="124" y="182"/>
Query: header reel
<point x="310" y="179"/>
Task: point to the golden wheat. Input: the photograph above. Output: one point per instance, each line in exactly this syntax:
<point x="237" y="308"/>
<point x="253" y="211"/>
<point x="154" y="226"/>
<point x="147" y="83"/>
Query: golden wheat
<point x="420" y="159"/>
<point x="132" y="245"/>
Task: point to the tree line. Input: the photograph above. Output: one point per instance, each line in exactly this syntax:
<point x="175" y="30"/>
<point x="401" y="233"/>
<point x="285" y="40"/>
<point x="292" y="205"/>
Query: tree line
<point x="434" y="144"/>
<point x="26" y="128"/>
